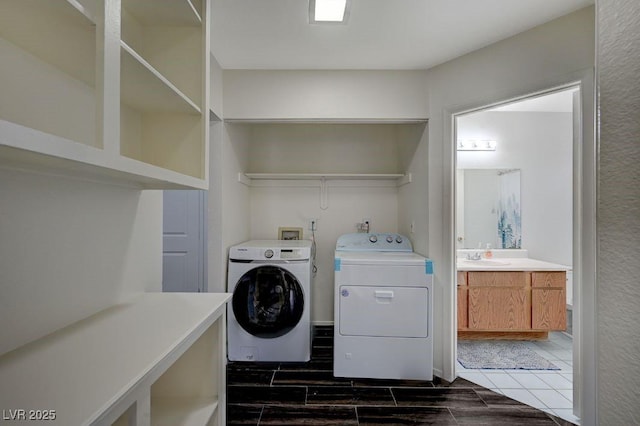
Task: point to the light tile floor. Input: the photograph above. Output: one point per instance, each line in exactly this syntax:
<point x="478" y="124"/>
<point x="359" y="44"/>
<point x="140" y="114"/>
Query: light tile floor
<point x="548" y="390"/>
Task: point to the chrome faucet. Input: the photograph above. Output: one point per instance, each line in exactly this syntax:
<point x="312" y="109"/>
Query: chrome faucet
<point x="476" y="256"/>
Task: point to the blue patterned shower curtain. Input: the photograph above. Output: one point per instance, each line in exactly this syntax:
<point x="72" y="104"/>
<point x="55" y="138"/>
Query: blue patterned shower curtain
<point x="509" y="220"/>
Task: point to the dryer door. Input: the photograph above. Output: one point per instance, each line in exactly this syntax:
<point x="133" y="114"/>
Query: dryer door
<point x="268" y="301"/>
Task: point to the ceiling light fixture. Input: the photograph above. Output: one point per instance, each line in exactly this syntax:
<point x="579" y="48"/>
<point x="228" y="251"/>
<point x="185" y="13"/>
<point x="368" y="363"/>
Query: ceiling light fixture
<point x="476" y="145"/>
<point x="329" y="11"/>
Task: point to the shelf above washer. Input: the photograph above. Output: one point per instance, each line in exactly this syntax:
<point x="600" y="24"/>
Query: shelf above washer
<point x="247" y="178"/>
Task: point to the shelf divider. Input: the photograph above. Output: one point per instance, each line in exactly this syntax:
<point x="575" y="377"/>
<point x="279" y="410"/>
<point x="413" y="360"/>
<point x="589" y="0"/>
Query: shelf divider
<point x="156" y="94"/>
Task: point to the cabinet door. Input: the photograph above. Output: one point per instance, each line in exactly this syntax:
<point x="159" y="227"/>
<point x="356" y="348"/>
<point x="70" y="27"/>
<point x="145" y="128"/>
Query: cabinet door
<point x="548" y="300"/>
<point x="495" y="308"/>
<point x="463" y="308"/>
<point x="548" y="309"/>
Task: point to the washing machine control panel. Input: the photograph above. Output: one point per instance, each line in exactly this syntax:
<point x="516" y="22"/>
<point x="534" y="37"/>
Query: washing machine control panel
<point x="272" y="250"/>
<point x="291" y="254"/>
<point x="374" y="242"/>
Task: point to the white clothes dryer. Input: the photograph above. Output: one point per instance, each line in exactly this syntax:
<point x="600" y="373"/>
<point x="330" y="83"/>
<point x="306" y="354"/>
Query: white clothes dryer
<point x="383" y="308"/>
<point x="269" y="316"/>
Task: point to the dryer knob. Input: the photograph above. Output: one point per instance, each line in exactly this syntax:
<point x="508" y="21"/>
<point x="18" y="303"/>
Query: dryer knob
<point x="268" y="254"/>
<point x="389" y="239"/>
<point x="399" y="240"/>
<point x="373" y="238"/>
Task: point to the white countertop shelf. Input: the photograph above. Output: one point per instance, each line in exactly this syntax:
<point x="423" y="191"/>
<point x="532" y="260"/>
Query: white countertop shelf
<point x="86" y="369"/>
<point x="24" y="147"/>
<point x="184" y="412"/>
<point x="508" y="264"/>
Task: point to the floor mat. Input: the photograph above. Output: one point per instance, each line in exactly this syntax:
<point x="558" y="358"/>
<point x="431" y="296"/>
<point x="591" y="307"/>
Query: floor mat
<point x="501" y="355"/>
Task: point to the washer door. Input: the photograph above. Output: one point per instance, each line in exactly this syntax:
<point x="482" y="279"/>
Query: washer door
<point x="268" y="301"/>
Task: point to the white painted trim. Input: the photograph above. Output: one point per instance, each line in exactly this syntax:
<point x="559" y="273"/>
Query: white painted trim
<point x="406" y="179"/>
<point x="321" y="323"/>
<point x="243" y="179"/>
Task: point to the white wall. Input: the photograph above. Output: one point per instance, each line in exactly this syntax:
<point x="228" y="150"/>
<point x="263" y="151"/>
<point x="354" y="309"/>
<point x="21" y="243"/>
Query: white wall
<point x="229" y="207"/>
<point x="69" y="248"/>
<point x="216" y="78"/>
<point x="618" y="301"/>
<point x="348" y="203"/>
<point x="413" y="199"/>
<point x="326" y="148"/>
<point x="556" y="53"/>
<point x="325" y="95"/>
<point x="216" y="252"/>
<point x="540" y="144"/>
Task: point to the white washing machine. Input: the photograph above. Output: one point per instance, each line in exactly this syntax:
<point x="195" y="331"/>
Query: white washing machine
<point x="269" y="317"/>
<point x="383" y="310"/>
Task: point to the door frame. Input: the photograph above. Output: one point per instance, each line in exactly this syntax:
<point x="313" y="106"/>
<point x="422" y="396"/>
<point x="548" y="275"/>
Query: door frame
<point x="584" y="239"/>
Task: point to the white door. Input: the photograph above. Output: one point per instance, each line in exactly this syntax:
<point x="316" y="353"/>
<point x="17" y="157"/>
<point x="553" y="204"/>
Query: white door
<point x="183" y="240"/>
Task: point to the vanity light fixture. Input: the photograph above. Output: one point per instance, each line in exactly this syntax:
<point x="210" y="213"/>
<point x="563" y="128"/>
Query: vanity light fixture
<point x="476" y="145"/>
<point x="329" y="11"/>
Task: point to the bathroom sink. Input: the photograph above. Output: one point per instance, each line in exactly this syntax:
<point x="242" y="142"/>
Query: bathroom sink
<point x="489" y="262"/>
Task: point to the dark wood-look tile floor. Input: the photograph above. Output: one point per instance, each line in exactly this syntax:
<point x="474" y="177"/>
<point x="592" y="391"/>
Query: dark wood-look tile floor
<point x="309" y="394"/>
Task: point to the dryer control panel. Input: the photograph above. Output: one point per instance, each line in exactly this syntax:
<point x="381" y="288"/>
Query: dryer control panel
<point x="374" y="242"/>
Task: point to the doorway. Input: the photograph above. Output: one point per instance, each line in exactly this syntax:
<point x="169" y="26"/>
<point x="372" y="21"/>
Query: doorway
<point x="514" y="199"/>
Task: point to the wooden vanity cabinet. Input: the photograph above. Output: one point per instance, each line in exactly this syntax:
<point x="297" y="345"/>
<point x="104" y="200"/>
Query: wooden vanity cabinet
<point x="510" y="304"/>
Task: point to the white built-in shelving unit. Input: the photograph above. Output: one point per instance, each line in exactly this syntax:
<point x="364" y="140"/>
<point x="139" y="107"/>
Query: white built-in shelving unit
<point x="157" y="359"/>
<point x="114" y="89"/>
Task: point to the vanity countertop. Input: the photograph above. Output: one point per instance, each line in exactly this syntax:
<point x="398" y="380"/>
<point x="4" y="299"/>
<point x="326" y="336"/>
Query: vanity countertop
<point x="508" y="264"/>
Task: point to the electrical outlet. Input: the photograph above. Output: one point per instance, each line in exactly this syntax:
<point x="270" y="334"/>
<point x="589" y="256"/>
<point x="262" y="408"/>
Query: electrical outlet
<point x="313" y="224"/>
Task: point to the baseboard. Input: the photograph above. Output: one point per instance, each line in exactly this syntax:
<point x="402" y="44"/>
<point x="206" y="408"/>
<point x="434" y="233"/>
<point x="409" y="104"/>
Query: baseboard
<point x="322" y="323"/>
<point x="438" y="373"/>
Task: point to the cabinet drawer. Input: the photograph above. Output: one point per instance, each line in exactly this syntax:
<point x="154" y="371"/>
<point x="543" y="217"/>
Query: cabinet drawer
<point x="549" y="279"/>
<point x="548" y="309"/>
<point x="497" y="279"/>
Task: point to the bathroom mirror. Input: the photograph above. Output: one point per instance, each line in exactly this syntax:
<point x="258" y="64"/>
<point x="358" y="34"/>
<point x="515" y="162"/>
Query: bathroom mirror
<point x="488" y="208"/>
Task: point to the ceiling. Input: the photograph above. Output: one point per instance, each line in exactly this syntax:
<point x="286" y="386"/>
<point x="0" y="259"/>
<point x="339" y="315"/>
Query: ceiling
<point x="379" y="35"/>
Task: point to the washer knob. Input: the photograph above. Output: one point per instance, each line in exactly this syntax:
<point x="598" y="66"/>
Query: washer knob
<point x="268" y="253"/>
<point x="389" y="239"/>
<point x="399" y="239"/>
<point x="373" y="238"/>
